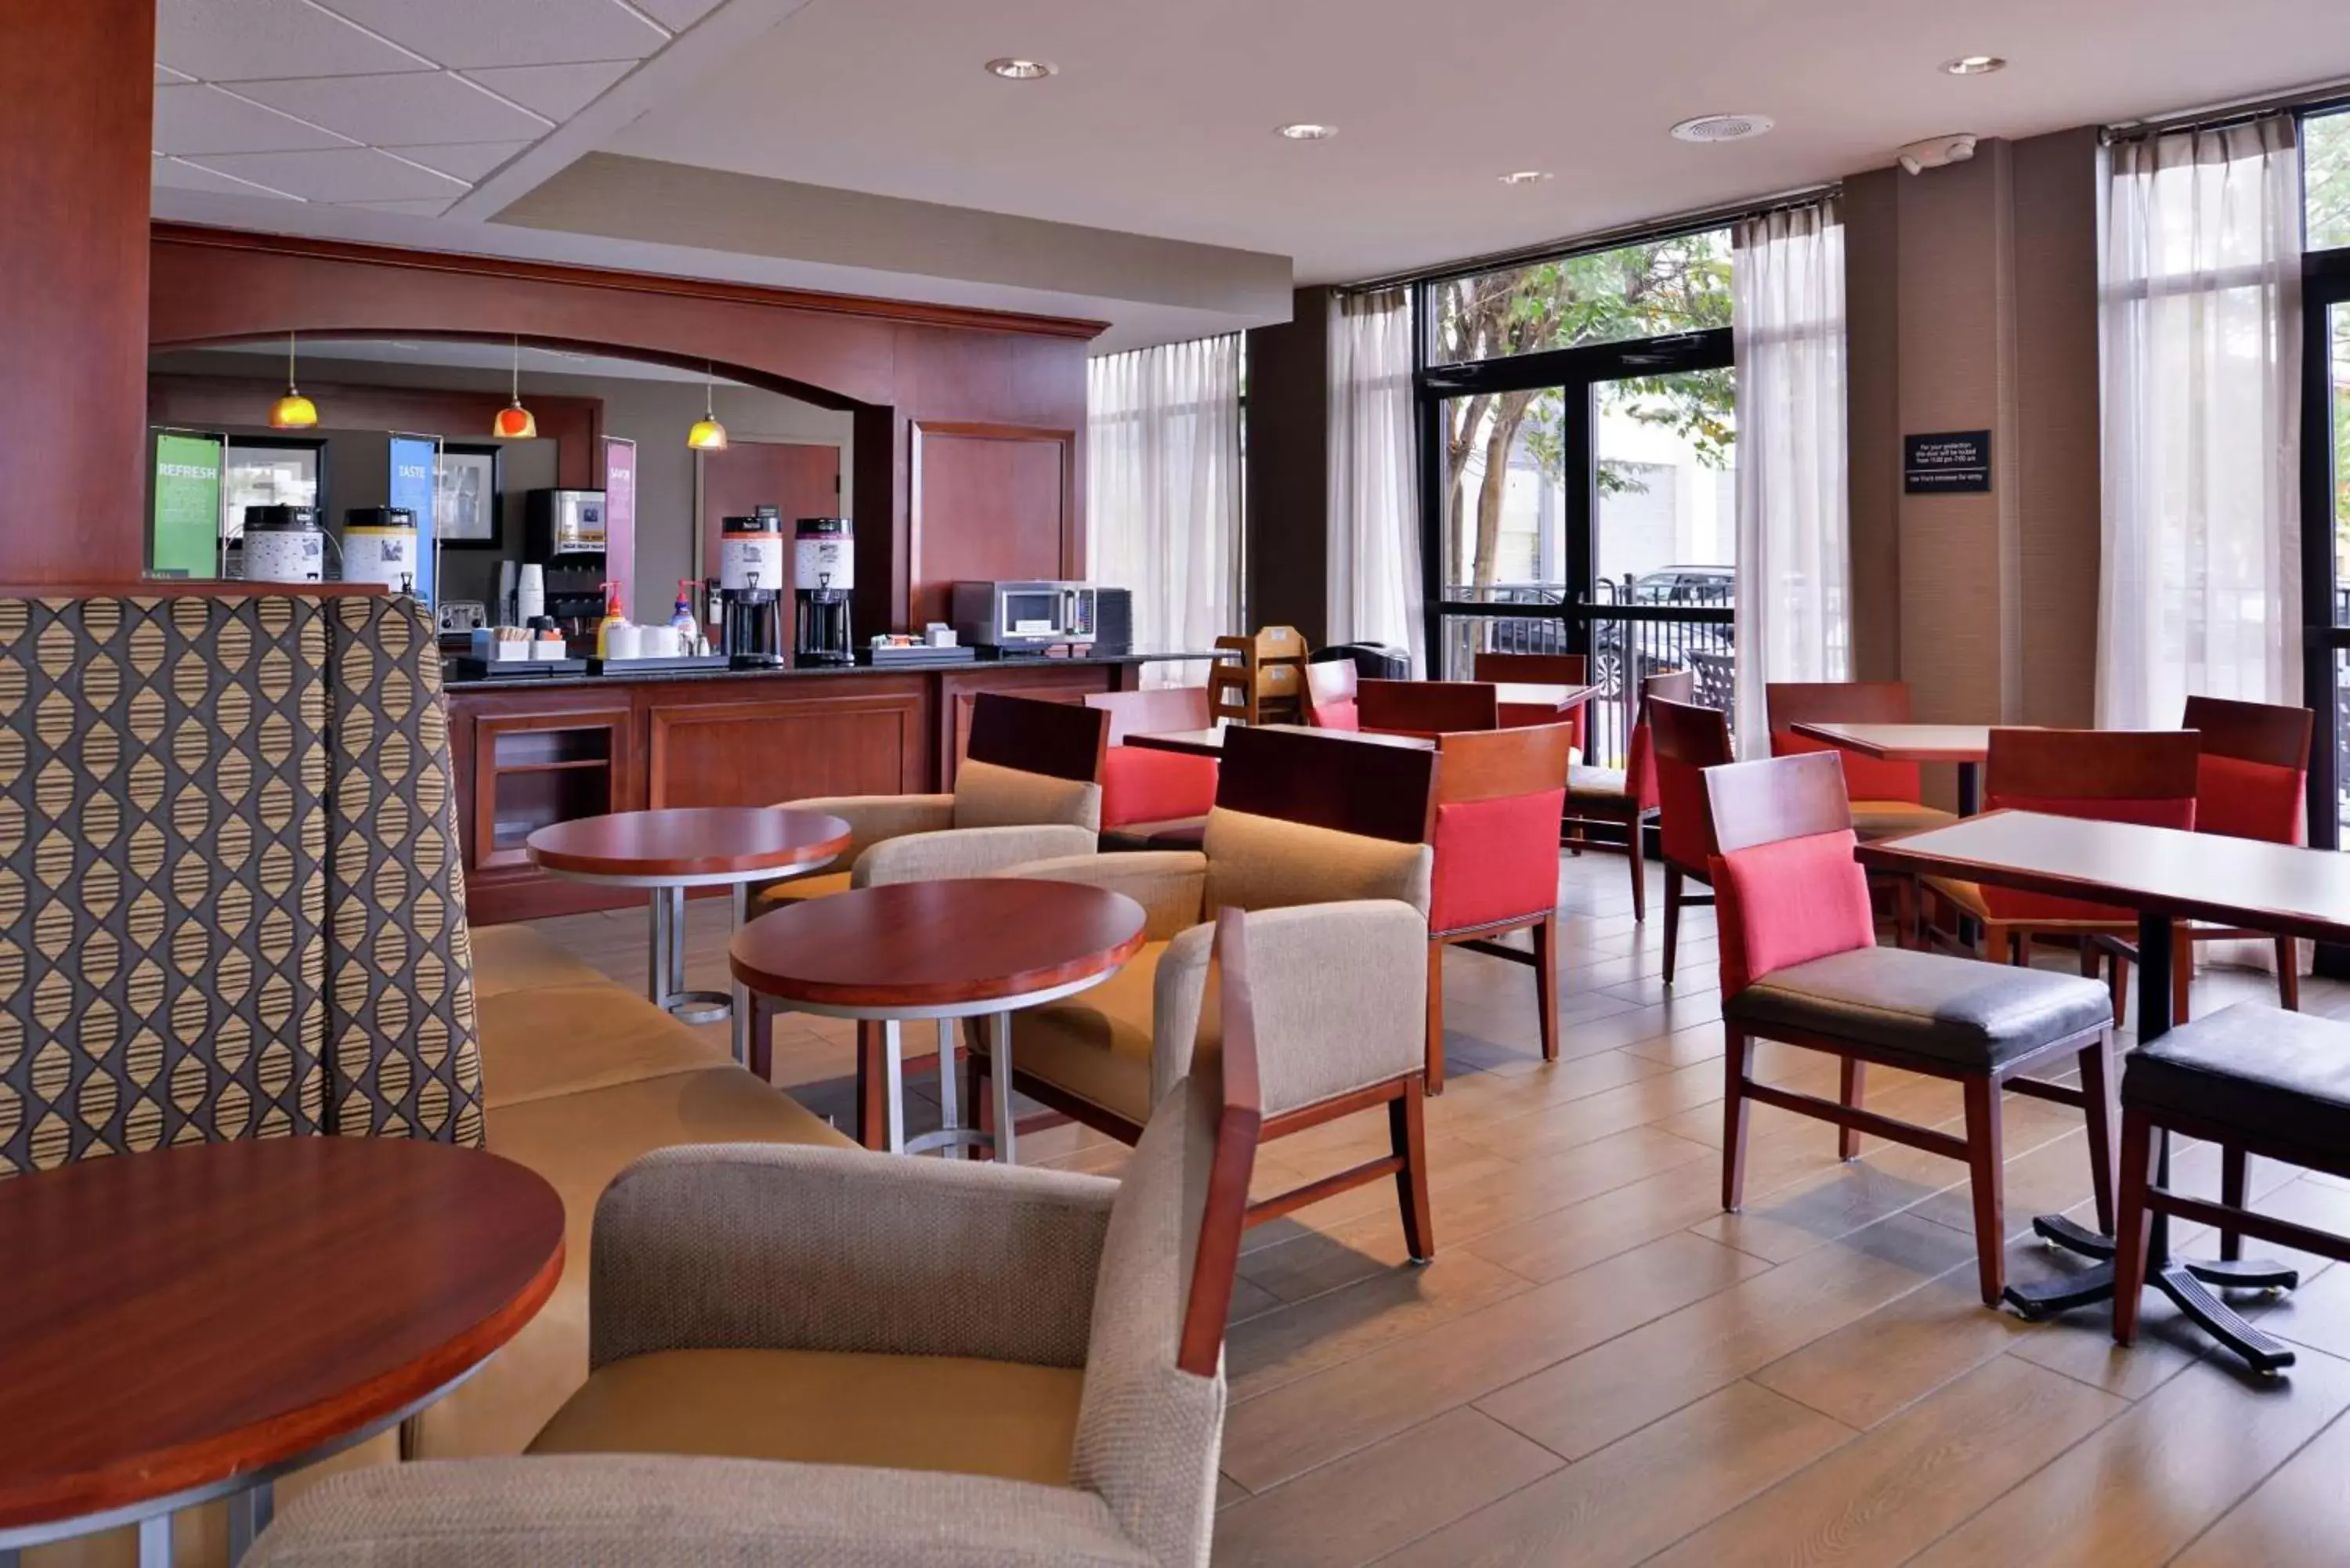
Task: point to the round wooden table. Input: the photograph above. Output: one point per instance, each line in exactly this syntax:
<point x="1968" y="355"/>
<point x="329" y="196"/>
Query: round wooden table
<point x="944" y="950"/>
<point x="678" y="848"/>
<point x="192" y="1322"/>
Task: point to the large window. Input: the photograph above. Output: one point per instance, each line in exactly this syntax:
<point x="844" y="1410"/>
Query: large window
<point x="1578" y="426"/>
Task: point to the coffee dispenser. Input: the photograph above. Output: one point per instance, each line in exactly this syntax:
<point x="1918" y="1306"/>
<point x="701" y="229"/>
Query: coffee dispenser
<point x="750" y="589"/>
<point x="823" y="572"/>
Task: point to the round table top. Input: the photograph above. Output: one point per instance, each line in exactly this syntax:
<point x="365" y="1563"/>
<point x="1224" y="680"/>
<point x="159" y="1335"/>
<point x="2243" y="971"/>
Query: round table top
<point x="937" y="944"/>
<point x="176" y="1318"/>
<point x="711" y="841"/>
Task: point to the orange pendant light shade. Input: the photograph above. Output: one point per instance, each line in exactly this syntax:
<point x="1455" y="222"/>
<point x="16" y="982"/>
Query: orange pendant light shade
<point x="707" y="434"/>
<point x="293" y="412"/>
<point x="515" y="422"/>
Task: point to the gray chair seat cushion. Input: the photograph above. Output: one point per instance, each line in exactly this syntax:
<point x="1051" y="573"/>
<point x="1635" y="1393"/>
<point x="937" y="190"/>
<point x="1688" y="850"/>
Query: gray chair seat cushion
<point x="2280" y="1076"/>
<point x="1956" y="1010"/>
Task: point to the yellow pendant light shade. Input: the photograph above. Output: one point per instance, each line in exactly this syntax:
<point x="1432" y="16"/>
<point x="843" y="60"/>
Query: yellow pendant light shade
<point x="515" y="422"/>
<point x="293" y="412"/>
<point x="707" y="434"/>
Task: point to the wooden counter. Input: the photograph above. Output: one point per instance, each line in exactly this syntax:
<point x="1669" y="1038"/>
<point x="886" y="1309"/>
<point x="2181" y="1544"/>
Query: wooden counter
<point x="528" y="754"/>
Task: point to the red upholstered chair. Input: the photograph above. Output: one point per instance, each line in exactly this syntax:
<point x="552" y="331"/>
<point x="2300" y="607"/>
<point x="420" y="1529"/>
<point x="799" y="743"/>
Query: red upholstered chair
<point x="1624" y="799"/>
<point x="2251" y="781"/>
<point x="1886" y="795"/>
<point x="1498" y="798"/>
<point x="1153" y="799"/>
<point x="2146" y="776"/>
<point x="1330" y="694"/>
<point x="1538" y="670"/>
<point x="1800" y="964"/>
<point x="1688" y="739"/>
<point x="1427" y="707"/>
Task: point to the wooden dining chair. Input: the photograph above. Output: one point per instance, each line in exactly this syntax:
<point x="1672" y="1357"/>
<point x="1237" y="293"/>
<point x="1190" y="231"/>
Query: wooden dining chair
<point x="1498" y="798"/>
<point x="1800" y="965"/>
<point x="2146" y="776"/>
<point x="1153" y="799"/>
<point x="1625" y="798"/>
<point x="1538" y="670"/>
<point x="2251" y="781"/>
<point x="1426" y="707"/>
<point x="1330" y="700"/>
<point x="1688" y="739"/>
<point x="1888" y="796"/>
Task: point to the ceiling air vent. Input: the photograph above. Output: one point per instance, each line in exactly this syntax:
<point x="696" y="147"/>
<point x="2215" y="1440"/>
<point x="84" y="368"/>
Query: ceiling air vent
<point x="1723" y="128"/>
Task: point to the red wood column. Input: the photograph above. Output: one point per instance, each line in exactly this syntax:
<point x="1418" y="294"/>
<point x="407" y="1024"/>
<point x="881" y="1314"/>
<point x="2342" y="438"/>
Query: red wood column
<point x="76" y="104"/>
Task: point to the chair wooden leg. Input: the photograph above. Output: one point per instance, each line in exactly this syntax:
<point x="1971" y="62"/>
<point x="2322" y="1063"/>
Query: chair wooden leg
<point x="2119" y="979"/>
<point x="1435" y="1053"/>
<point x="1672" y="919"/>
<point x="2234" y="1167"/>
<point x="2021" y="954"/>
<point x="1738" y="1057"/>
<point x="2288" y="952"/>
<point x="1986" y="1170"/>
<point x="761" y="1033"/>
<point x="872" y="1094"/>
<point x="1636" y="851"/>
<point x="2133" y="1233"/>
<point x="1546" y="984"/>
<point x="1997" y="948"/>
<point x="1408" y="1134"/>
<point x="1852" y="1083"/>
<point x="2099" y="1107"/>
<point x="1904" y="911"/>
<point x="2182" y="975"/>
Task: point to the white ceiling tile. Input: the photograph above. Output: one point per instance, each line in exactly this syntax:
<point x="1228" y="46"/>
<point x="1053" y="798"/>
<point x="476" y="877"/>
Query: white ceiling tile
<point x="409" y="109"/>
<point x="677" y="16"/>
<point x="164" y="74"/>
<point x="344" y="175"/>
<point x="189" y="177"/>
<point x="466" y="33"/>
<point x="557" y="92"/>
<point x="466" y="161"/>
<point x="195" y="120"/>
<point x="244" y="40"/>
<point x="432" y="209"/>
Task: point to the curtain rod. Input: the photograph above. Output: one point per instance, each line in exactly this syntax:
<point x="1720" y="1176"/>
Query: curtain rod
<point x="1604" y="238"/>
<point x="2313" y="97"/>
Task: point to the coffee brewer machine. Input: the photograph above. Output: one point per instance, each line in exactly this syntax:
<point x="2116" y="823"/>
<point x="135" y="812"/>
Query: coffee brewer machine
<point x="750" y="589"/>
<point x="563" y="535"/>
<point x="823" y="572"/>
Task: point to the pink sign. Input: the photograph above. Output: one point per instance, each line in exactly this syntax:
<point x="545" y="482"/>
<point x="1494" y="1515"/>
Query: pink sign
<point x="620" y="528"/>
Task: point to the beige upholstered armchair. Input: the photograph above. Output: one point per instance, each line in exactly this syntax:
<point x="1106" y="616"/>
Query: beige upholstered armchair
<point x="1324" y="837"/>
<point x="1029" y="785"/>
<point x="779" y="1335"/>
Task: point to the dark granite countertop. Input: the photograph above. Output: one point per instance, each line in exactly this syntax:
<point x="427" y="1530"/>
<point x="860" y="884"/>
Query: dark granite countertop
<point x="551" y="683"/>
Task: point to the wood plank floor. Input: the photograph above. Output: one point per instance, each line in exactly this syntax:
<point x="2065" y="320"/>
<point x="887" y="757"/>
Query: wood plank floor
<point x="1601" y="1368"/>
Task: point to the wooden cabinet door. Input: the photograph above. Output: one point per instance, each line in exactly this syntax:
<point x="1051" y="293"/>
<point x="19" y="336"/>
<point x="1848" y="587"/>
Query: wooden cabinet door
<point x="536" y="766"/>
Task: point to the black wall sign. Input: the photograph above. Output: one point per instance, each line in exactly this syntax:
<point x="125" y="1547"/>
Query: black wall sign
<point x="1955" y="463"/>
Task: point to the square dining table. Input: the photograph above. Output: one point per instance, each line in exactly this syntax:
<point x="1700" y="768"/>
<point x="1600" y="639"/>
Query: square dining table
<point x="2164" y="875"/>
<point x="1965" y="744"/>
<point x="1539" y="702"/>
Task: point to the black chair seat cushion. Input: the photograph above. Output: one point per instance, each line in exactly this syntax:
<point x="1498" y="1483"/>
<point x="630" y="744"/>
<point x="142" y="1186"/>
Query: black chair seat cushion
<point x="1955" y="1010"/>
<point x="2282" y="1077"/>
<point x="1178" y="833"/>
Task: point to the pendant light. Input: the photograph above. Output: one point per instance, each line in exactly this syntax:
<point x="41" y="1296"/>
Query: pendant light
<point x="515" y="422"/>
<point x="707" y="434"/>
<point x="293" y="412"/>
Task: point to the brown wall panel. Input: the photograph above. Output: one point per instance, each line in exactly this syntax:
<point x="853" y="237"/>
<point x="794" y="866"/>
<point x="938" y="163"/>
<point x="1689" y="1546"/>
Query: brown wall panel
<point x="1872" y="251"/>
<point x="764" y="751"/>
<point x="988" y="501"/>
<point x="75" y="108"/>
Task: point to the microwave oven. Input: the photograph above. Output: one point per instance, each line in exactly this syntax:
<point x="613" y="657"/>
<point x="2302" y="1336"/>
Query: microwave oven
<point x="1024" y="615"/>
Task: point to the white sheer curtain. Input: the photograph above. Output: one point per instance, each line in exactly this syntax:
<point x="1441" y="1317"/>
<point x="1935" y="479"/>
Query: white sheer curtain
<point x="1794" y="528"/>
<point x="2201" y="322"/>
<point x="1375" y="584"/>
<point x="1163" y="493"/>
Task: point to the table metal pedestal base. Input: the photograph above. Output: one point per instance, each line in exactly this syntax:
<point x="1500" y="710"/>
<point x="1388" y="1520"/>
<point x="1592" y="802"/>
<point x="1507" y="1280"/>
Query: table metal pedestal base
<point x="2187" y="1282"/>
<point x="952" y="1135"/>
<point x="665" y="972"/>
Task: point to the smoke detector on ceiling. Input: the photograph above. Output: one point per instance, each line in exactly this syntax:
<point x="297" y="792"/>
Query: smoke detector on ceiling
<point x="1723" y="128"/>
<point x="1936" y="151"/>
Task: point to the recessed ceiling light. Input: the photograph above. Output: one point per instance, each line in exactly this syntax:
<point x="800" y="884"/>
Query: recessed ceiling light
<point x="1525" y="177"/>
<point x="1018" y="70"/>
<point x="1974" y="65"/>
<point x="1306" y="131"/>
<point x="1723" y="128"/>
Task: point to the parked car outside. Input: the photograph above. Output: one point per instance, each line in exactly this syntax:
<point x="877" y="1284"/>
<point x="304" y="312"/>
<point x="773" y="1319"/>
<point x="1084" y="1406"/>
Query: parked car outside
<point x="1625" y="652"/>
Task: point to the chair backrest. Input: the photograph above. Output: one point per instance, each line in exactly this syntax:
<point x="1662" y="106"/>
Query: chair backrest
<point x="1302" y="818"/>
<point x="2144" y="776"/>
<point x="1428" y="707"/>
<point x="1154" y="712"/>
<point x="1330" y="700"/>
<point x="1150" y="1414"/>
<point x="1498" y="802"/>
<point x="1786" y="887"/>
<point x="1640" y="751"/>
<point x="1030" y="763"/>
<point x="1791" y="703"/>
<point x="1540" y="669"/>
<point x="2252" y="777"/>
<point x="1688" y="739"/>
